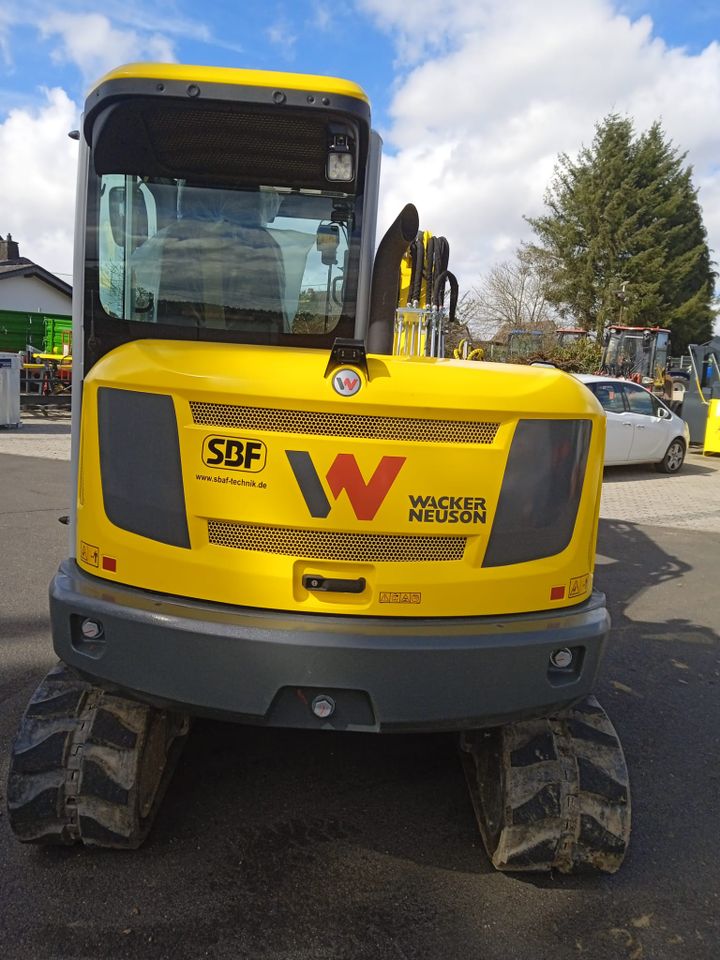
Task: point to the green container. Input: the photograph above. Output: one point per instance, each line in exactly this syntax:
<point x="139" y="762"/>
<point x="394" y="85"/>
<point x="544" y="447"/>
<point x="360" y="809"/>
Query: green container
<point x="19" y="328"/>
<point x="57" y="334"/>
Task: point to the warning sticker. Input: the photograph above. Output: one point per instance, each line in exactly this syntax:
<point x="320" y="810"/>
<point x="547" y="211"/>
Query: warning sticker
<point x="400" y="597"/>
<point x="579" y="585"/>
<point x="89" y="554"/>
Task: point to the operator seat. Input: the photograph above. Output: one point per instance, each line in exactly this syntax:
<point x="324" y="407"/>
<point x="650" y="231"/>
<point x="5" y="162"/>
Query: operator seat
<point x="219" y="266"/>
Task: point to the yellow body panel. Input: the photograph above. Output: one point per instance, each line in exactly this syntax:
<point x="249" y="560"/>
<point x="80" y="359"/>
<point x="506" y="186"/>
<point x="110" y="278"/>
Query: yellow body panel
<point x="236" y="76"/>
<point x="269" y="495"/>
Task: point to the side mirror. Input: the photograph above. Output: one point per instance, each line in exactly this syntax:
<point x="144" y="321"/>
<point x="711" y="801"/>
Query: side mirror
<point x="664" y="413"/>
<point x="327" y="242"/>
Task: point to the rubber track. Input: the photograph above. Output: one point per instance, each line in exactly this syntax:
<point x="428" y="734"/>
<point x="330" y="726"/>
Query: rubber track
<point x="88" y="766"/>
<point x="551" y="794"/>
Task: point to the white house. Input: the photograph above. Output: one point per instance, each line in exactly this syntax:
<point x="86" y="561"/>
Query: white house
<point x="26" y="287"/>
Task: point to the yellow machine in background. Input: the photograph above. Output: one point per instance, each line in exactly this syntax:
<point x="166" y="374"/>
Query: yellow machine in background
<point x="47" y="373"/>
<point x="711" y="444"/>
<point x="465" y="351"/>
<point x="290" y="508"/>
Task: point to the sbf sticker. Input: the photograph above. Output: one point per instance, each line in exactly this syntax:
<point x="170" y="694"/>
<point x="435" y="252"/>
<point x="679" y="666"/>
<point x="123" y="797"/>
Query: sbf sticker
<point x="344" y="474"/>
<point x="232" y="453"/>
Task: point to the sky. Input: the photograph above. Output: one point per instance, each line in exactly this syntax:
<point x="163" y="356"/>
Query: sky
<point x="474" y="99"/>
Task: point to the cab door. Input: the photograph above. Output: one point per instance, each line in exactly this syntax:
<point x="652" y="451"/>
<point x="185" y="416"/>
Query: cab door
<point x="650" y="434"/>
<point x="619" y="433"/>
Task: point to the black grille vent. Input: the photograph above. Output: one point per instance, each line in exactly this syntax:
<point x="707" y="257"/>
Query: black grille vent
<point x="240" y="146"/>
<point x="140" y="465"/>
<point x="278" y="147"/>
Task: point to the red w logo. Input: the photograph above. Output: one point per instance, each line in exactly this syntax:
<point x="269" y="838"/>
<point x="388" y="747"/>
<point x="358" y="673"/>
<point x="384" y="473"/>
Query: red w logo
<point x="344" y="474"/>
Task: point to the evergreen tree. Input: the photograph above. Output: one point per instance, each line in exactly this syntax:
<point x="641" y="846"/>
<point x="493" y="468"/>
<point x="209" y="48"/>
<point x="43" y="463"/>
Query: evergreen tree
<point x="623" y="239"/>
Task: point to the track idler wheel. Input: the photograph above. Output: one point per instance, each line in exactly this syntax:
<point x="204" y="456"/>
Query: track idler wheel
<point x="88" y="766"/>
<point x="551" y="794"/>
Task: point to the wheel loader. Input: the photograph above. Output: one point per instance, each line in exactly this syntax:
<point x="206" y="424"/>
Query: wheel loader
<point x="278" y="520"/>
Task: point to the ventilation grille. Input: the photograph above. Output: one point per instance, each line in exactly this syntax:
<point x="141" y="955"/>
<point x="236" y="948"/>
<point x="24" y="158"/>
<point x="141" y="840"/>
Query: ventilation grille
<point x="342" y="424"/>
<point x="320" y="545"/>
<point x="186" y="140"/>
<point x="227" y="140"/>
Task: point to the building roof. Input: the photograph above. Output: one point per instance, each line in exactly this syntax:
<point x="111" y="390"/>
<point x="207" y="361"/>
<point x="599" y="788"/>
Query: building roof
<point x="22" y="267"/>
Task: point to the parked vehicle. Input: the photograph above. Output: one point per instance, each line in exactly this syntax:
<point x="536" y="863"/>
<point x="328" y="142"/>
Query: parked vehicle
<point x="638" y="353"/>
<point x="640" y="427"/>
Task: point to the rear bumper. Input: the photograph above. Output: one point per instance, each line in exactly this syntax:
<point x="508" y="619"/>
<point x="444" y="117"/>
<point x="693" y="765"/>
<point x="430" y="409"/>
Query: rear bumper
<point x="266" y="667"/>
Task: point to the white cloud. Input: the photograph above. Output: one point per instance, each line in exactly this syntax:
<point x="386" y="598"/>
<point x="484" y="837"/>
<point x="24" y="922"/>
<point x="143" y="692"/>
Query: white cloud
<point x="281" y="36"/>
<point x="6" y="22"/>
<point x="37" y="203"/>
<point x="322" y="18"/>
<point x="37" y="186"/>
<point x="479" y="118"/>
<point x="94" y="45"/>
<point x="158" y="20"/>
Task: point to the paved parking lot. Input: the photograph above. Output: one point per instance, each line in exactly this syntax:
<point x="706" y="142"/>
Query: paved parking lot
<point x="689" y="500"/>
<point x="44" y="435"/>
<point x="295" y="846"/>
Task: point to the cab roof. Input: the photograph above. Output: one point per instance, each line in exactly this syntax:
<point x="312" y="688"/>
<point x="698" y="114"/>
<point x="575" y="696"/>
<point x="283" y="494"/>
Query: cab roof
<point x="234" y="76"/>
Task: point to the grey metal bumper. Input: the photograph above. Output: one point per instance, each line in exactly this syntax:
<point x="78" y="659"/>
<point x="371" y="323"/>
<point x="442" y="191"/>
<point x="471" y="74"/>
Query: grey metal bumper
<point x="266" y="667"/>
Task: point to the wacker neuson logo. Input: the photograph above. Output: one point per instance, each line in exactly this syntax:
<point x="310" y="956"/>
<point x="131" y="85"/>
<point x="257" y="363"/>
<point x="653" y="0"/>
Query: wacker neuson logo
<point x="344" y="474"/>
<point x="447" y="509"/>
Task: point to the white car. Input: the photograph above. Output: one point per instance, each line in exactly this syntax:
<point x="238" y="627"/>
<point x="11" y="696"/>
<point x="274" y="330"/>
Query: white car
<point x="640" y="428"/>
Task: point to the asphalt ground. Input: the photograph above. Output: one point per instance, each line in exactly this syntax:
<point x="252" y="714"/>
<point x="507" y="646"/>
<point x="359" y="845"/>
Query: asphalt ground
<point x="291" y="845"/>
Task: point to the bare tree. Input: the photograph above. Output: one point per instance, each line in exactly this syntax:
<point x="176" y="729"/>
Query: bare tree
<point x="510" y="297"/>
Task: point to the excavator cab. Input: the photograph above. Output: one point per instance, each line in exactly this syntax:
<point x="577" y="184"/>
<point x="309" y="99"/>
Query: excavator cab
<point x="219" y="212"/>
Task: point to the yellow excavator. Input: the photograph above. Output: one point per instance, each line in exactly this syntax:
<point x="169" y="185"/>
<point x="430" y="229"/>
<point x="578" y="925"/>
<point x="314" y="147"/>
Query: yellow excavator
<point x="289" y="508"/>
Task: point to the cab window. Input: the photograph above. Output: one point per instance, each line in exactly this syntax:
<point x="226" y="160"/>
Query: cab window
<point x="271" y="259"/>
<point x="610" y="397"/>
<point x="639" y="400"/>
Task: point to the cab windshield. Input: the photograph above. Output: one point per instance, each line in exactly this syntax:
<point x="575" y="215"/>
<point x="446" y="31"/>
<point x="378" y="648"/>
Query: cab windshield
<point x="265" y="261"/>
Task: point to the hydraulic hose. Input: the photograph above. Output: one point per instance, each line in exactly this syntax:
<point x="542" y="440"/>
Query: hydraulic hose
<point x="441" y="258"/>
<point x="384" y="290"/>
<point x="430" y="271"/>
<point x="439" y="289"/>
<point x="417" y="254"/>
